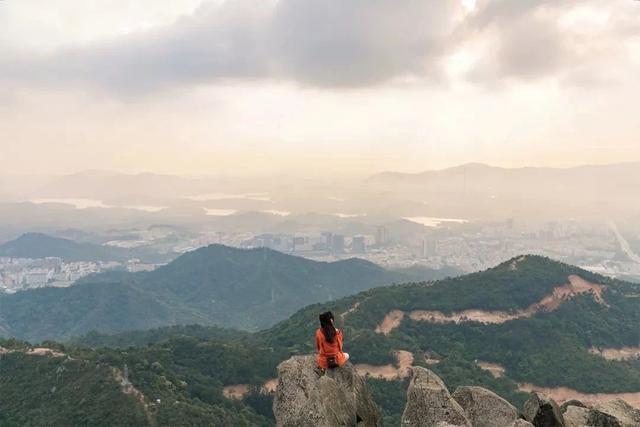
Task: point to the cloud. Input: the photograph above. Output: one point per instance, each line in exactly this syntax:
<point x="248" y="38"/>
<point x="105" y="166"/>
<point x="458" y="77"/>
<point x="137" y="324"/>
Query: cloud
<point x="337" y="44"/>
<point x="579" y="40"/>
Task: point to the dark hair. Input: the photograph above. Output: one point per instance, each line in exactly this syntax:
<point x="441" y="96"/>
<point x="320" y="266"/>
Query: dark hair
<point x="328" y="329"/>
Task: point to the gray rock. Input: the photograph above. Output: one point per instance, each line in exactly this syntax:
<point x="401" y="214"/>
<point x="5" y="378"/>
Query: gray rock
<point x="624" y="414"/>
<point x="521" y="423"/>
<point x="576" y="416"/>
<point x="572" y="402"/>
<point x="429" y="402"/>
<point x="542" y="411"/>
<point x="600" y="419"/>
<point x="484" y="408"/>
<point x="339" y="398"/>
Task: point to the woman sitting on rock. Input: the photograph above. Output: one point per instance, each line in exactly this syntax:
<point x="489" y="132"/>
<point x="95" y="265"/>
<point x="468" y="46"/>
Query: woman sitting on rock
<point x="329" y="344"/>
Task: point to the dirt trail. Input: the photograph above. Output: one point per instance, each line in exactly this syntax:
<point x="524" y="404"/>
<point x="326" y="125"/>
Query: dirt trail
<point x="493" y="368"/>
<point x="562" y="394"/>
<point x="389" y="372"/>
<point x="576" y="286"/>
<point x="624" y="353"/>
<point x="129" y="389"/>
<point x="351" y="310"/>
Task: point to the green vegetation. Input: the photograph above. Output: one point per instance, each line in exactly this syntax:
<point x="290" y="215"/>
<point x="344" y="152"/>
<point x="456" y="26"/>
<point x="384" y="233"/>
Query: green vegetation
<point x="186" y="367"/>
<point x="37" y="245"/>
<point x="216" y="285"/>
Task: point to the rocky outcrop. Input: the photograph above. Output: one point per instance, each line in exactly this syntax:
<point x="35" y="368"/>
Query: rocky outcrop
<point x="484" y="408"/>
<point x="542" y="411"/>
<point x="624" y="414"/>
<point x="572" y="402"/>
<point x="429" y="402"/>
<point x="338" y="398"/>
<point x="576" y="416"/>
<point x="520" y="423"/>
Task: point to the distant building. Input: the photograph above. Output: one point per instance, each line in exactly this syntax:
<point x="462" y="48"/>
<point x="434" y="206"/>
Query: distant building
<point x="382" y="236"/>
<point x="429" y="247"/>
<point x="337" y="244"/>
<point x="358" y="245"/>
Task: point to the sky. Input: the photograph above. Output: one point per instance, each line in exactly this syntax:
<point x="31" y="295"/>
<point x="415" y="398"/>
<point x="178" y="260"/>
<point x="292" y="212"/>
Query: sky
<point x="308" y="87"/>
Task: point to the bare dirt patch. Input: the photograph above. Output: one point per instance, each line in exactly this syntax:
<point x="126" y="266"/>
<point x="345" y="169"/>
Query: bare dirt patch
<point x="384" y="372"/>
<point x="576" y="286"/>
<point x="624" y="353"/>
<point x="389" y="372"/>
<point x="390" y="322"/>
<point x="463" y="316"/>
<point x="562" y="394"/>
<point x="493" y="368"/>
<point x="270" y="385"/>
<point x="43" y="351"/>
<point x="235" y="391"/>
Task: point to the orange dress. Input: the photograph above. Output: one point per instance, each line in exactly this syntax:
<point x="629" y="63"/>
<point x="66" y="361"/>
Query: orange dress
<point x="326" y="348"/>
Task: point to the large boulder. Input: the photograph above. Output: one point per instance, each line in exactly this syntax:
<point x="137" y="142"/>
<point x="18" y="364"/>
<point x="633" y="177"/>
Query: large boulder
<point x="429" y="402"/>
<point x="625" y="414"/>
<point x="542" y="411"/>
<point x="305" y="398"/>
<point x="484" y="408"/>
<point x="576" y="416"/>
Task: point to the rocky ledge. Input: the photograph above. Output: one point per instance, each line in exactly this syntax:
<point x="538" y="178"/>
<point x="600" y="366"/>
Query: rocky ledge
<point x="340" y="398"/>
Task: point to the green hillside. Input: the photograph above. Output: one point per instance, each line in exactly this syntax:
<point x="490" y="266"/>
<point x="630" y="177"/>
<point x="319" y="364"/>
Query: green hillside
<point x="216" y="285"/>
<point x="550" y="347"/>
<point x="38" y="245"/>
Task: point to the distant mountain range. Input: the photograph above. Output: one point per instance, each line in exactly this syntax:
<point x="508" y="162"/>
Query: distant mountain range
<point x="486" y="191"/>
<point x="216" y="285"/>
<point x="529" y="322"/>
<point x="38" y="245"/>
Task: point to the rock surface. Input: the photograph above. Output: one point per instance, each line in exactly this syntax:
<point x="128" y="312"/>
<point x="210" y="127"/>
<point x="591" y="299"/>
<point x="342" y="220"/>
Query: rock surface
<point x="542" y="411"/>
<point x="624" y="414"/>
<point x="339" y="398"/>
<point x="572" y="402"/>
<point x="484" y="408"/>
<point x="575" y="416"/>
<point x="521" y="423"/>
<point x="429" y="402"/>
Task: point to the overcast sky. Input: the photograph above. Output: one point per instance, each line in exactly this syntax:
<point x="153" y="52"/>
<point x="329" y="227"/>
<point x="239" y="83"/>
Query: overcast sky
<point x="308" y="86"/>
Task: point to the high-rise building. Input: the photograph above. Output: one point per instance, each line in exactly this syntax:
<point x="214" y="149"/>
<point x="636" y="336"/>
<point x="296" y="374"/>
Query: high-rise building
<point x="337" y="244"/>
<point x="429" y="247"/>
<point x="358" y="245"/>
<point x="382" y="236"/>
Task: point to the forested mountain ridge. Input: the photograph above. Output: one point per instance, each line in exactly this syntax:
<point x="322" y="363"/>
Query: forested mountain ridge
<point x="550" y="346"/>
<point x="216" y="285"/>
<point x="38" y="245"/>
